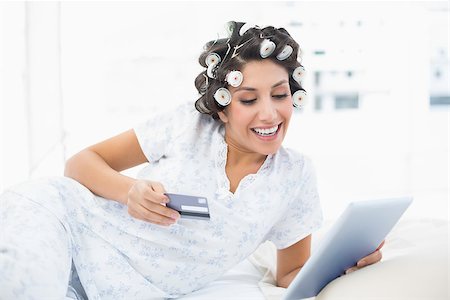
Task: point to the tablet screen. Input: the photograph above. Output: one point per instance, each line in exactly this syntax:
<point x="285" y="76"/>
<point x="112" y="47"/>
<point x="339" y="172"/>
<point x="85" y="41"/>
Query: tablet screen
<point x="358" y="232"/>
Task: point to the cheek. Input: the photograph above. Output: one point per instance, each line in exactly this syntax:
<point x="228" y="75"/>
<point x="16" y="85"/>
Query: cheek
<point x="242" y="117"/>
<point x="287" y="109"/>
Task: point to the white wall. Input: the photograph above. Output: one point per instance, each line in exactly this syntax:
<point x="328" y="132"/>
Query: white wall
<point x="119" y="61"/>
<point x="14" y="147"/>
<point x="32" y="134"/>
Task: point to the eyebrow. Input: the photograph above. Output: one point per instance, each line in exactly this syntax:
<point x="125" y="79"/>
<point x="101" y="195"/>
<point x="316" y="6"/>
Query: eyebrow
<point x="246" y="88"/>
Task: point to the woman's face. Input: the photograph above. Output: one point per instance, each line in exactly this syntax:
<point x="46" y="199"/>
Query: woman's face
<point x="258" y="116"/>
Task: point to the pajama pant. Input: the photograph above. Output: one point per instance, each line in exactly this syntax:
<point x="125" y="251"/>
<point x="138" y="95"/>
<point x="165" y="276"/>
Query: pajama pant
<point x="36" y="246"/>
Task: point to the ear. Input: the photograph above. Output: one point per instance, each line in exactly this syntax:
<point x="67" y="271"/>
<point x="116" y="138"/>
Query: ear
<point x="223" y="116"/>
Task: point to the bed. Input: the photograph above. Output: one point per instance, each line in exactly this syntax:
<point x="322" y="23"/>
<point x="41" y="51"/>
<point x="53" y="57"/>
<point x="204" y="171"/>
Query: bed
<point x="414" y="266"/>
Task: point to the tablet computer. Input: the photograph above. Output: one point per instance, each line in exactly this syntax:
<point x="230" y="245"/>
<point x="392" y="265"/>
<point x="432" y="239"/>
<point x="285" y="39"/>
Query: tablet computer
<point x="357" y="232"/>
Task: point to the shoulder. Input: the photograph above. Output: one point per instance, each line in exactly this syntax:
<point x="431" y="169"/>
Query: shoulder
<point x="187" y="125"/>
<point x="180" y="117"/>
<point x="189" y="118"/>
<point x="188" y="112"/>
<point x="180" y="112"/>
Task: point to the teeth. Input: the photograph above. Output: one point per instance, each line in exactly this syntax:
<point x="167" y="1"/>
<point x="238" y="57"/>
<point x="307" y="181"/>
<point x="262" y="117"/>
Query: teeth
<point x="266" y="131"/>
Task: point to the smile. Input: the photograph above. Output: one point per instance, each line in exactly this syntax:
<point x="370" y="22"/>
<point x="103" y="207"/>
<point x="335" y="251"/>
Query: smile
<point x="264" y="132"/>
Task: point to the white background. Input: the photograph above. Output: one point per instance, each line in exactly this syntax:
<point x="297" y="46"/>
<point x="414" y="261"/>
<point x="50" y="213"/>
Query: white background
<point x="74" y="73"/>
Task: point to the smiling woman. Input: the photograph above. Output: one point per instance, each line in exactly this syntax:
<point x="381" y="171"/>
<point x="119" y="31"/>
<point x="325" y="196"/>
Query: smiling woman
<point x="116" y="233"/>
<point x="224" y="57"/>
<point x="259" y="113"/>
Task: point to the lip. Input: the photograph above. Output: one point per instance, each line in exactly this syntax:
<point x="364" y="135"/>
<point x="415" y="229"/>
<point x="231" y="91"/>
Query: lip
<point x="271" y="137"/>
<point x="268" y="126"/>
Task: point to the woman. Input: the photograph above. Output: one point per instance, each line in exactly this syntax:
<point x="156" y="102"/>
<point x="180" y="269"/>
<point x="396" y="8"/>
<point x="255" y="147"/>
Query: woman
<point x="125" y="243"/>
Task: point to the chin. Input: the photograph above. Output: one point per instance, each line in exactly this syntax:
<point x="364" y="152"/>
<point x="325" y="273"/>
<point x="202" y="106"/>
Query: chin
<point x="270" y="150"/>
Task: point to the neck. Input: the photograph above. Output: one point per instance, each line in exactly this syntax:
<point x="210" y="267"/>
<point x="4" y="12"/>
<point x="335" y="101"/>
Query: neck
<point x="240" y="157"/>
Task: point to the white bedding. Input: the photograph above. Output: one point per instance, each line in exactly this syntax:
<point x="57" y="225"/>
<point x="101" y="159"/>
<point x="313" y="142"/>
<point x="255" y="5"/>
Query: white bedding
<point x="415" y="266"/>
<point x="241" y="282"/>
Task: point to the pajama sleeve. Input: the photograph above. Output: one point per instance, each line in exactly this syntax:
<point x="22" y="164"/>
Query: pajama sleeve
<point x="159" y="131"/>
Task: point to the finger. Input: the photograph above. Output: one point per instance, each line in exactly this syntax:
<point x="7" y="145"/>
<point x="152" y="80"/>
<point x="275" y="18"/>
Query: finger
<point x="140" y="217"/>
<point x="136" y="213"/>
<point x="370" y="259"/>
<point x="350" y="270"/>
<point x="161" y="210"/>
<point x="381" y="245"/>
<point x="158" y="187"/>
<point x="155" y="197"/>
<point x="143" y="211"/>
<point x="155" y="216"/>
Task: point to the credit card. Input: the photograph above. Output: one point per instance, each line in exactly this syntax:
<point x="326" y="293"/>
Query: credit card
<point x="189" y="207"/>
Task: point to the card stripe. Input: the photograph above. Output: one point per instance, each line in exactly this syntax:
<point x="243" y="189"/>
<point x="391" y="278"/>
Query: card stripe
<point x="193" y="214"/>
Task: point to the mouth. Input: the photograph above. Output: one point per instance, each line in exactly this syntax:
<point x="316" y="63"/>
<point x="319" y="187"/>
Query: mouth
<point x="267" y="132"/>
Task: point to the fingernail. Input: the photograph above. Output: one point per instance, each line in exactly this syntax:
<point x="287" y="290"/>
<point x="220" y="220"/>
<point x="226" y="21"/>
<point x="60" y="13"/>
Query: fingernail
<point x="175" y="216"/>
<point x="171" y="221"/>
<point x="361" y="263"/>
<point x="349" y="271"/>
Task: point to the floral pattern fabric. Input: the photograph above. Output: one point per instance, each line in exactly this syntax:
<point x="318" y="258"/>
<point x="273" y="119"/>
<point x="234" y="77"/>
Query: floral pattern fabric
<point x="119" y="257"/>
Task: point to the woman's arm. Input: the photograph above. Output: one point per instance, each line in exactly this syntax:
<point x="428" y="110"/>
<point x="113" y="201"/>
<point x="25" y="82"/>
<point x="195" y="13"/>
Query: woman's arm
<point x="291" y="259"/>
<point x="97" y="167"/>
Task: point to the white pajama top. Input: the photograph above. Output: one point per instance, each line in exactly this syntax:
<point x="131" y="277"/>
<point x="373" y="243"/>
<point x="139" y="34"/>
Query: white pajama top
<point x="120" y="257"/>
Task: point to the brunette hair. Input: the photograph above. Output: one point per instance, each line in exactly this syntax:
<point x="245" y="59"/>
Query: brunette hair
<point x="249" y="45"/>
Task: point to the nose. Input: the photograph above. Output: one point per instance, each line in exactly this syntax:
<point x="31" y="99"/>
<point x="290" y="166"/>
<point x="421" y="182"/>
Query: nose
<point x="267" y="110"/>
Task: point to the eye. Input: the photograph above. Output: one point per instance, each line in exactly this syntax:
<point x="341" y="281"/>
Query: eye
<point x="280" y="96"/>
<point x="248" y="102"/>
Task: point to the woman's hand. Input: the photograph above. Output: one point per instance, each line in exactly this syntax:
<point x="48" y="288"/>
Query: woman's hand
<point x="146" y="201"/>
<point x="372" y="258"/>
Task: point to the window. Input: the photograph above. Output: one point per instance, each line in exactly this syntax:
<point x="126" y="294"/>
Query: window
<point x="349" y="101"/>
<point x="440" y="100"/>
<point x="318" y="103"/>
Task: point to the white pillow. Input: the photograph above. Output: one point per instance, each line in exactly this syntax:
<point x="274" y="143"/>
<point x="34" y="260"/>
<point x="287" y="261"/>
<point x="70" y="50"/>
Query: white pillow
<point x="414" y="266"/>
